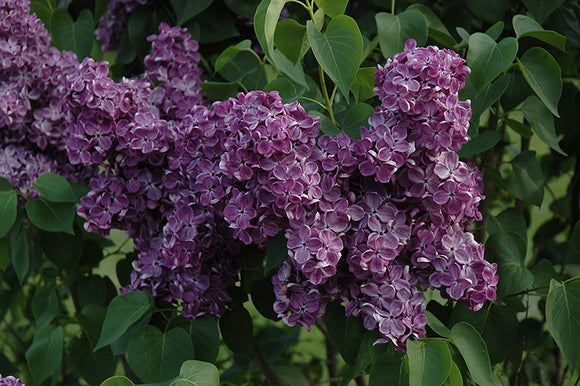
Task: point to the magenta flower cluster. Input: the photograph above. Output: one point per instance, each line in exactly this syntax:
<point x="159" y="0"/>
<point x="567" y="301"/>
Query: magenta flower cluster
<point x="33" y="131"/>
<point x="10" y="381"/>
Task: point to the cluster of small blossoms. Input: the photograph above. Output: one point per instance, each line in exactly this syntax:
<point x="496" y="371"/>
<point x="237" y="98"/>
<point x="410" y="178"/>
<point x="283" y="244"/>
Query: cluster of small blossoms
<point x="114" y="21"/>
<point x="10" y="381"/>
<point x="393" y="208"/>
<point x="32" y="86"/>
<point x="173" y="67"/>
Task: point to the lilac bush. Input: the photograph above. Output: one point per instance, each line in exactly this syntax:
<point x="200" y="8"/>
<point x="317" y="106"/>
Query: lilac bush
<point x="10" y="381"/>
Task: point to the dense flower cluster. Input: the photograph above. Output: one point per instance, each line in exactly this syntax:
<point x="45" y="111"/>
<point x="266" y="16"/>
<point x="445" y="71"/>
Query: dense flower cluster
<point x="173" y="67"/>
<point x="114" y="21"/>
<point x="368" y="222"/>
<point x="10" y="381"/>
<point x="33" y="83"/>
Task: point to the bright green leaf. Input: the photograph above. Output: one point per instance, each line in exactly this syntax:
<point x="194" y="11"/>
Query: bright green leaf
<point x="474" y="351"/>
<point x="525" y="26"/>
<point x="187" y="9"/>
<point x="454" y="378"/>
<point x="338" y="50"/>
<point x="332" y="8"/>
<point x="55" y="188"/>
<point x="395" y="30"/>
<point x="508" y="250"/>
<point x="230" y="53"/>
<point x="51" y="216"/>
<point x="8" y="210"/>
<point x="487" y="59"/>
<point x="291" y="39"/>
<point x="563" y="318"/>
<point x="73" y="36"/>
<point x="265" y="21"/>
<point x="155" y="356"/>
<point x="45" y="354"/>
<point x="526" y="181"/>
<point x="544" y="76"/>
<point x="123" y="311"/>
<point x="197" y="373"/>
<point x="542" y="122"/>
<point x="429" y="361"/>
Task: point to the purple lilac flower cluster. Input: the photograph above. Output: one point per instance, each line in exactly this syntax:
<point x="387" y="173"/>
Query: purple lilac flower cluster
<point x="114" y="21"/>
<point x="32" y="86"/>
<point x="393" y="207"/>
<point x="10" y="381"/>
<point x="173" y="67"/>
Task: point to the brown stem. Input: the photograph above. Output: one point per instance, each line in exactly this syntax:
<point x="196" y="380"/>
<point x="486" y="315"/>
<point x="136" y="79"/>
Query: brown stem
<point x="331" y="361"/>
<point x="360" y="380"/>
<point x="270" y="377"/>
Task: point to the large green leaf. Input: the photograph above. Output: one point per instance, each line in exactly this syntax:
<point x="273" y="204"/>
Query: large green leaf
<point x="474" y="351"/>
<point x="437" y="325"/>
<point x="73" y="36"/>
<point x="19" y="251"/>
<point x="526" y="181"/>
<point x="508" y="250"/>
<point x="525" y="26"/>
<point x="363" y="84"/>
<point x="490" y="10"/>
<point x="44" y="306"/>
<point x="52" y="243"/>
<point x="157" y="356"/>
<point x="140" y="25"/>
<point x="45" y="354"/>
<point x="542" y="121"/>
<point x="205" y="335"/>
<point x="480" y="143"/>
<point x="338" y="50"/>
<point x="187" y="9"/>
<point x="541" y="9"/>
<point x="429" y="361"/>
<point x="285" y="88"/>
<point x="123" y="311"/>
<point x="118" y="380"/>
<point x="573" y="254"/>
<point x="276" y="253"/>
<point x="510" y="220"/>
<point x="265" y="21"/>
<point x="368" y="351"/>
<point x="485" y="98"/>
<point x="197" y="373"/>
<point x="8" y="210"/>
<point x="293" y="70"/>
<point x="437" y="29"/>
<point x="51" y="216"/>
<point x="345" y="332"/>
<point x="356" y="117"/>
<point x="544" y="76"/>
<point x="291" y="39"/>
<point x="487" y="59"/>
<point x="395" y="30"/>
<point x="387" y="370"/>
<point x="563" y="318"/>
<point x="332" y="8"/>
<point x="237" y="331"/>
<point x="94" y="367"/>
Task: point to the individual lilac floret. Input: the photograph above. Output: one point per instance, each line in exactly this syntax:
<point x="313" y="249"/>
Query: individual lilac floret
<point x="10" y="381"/>
<point x="173" y="67"/>
<point x="114" y="21"/>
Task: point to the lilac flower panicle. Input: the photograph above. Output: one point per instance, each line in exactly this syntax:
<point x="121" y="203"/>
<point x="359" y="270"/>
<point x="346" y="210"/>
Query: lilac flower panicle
<point x="114" y="21"/>
<point x="10" y="381"/>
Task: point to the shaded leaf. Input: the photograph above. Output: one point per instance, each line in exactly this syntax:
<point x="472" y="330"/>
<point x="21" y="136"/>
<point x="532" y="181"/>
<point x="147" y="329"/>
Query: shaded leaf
<point x="480" y="143"/>
<point x="495" y="30"/>
<point x="563" y="318"/>
<point x="45" y="353"/>
<point x="55" y="188"/>
<point x="338" y="50"/>
<point x="429" y="361"/>
<point x="487" y="59"/>
<point x="543" y="75"/>
<point x="437" y="29"/>
<point x="489" y="11"/>
<point x="70" y="35"/>
<point x="94" y="367"/>
<point x="123" y="311"/>
<point x="237" y="331"/>
<point x="118" y="380"/>
<point x="19" y="251"/>
<point x="363" y="84"/>
<point x="542" y="122"/>
<point x="205" y="335"/>
<point x="50" y="216"/>
<point x="527" y="181"/>
<point x="187" y="9"/>
<point x="474" y="351"/>
<point x="291" y="39"/>
<point x="520" y="128"/>
<point x="197" y="373"/>
<point x="525" y="26"/>
<point x="332" y="8"/>
<point x="395" y="30"/>
<point x="508" y="250"/>
<point x="437" y="326"/>
<point x="8" y="210"/>
<point x="44" y="306"/>
<point x="510" y="220"/>
<point x="541" y="9"/>
<point x="276" y="253"/>
<point x="285" y="88"/>
<point x="157" y="356"/>
<point x="355" y="117"/>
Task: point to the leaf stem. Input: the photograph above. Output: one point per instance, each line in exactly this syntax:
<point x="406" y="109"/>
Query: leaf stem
<point x="392" y="7"/>
<point x="325" y="95"/>
<point x="313" y="101"/>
